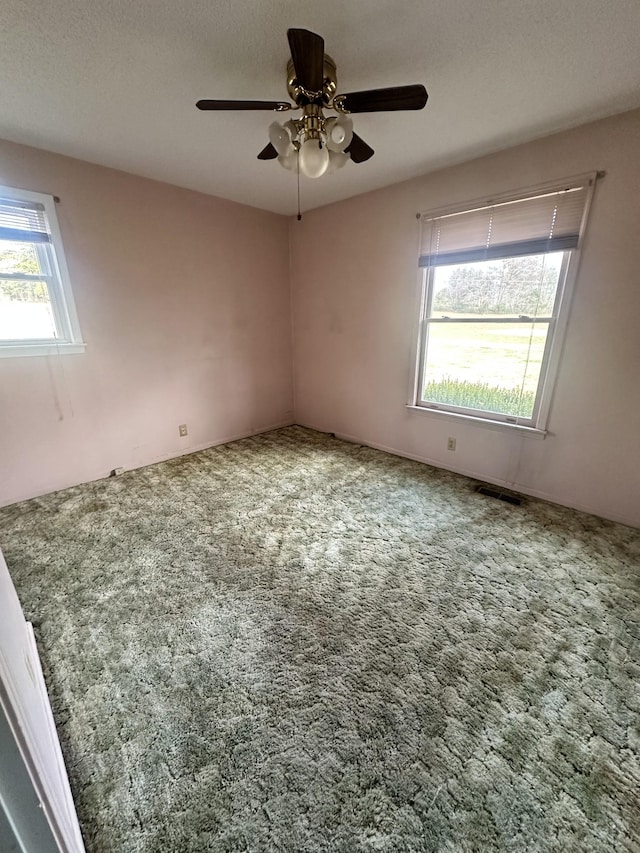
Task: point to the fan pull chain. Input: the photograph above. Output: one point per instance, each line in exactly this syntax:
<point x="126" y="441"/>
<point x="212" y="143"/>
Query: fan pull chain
<point x="298" y="160"/>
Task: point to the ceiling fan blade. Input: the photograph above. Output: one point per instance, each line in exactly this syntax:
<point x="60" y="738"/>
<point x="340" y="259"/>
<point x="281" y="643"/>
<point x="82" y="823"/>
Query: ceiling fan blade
<point x="278" y="106"/>
<point x="268" y="152"/>
<point x="307" y="53"/>
<point x="384" y="100"/>
<point x="358" y="149"/>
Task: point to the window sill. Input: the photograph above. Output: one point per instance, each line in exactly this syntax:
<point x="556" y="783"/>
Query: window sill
<point x="485" y="423"/>
<point x="18" y="350"/>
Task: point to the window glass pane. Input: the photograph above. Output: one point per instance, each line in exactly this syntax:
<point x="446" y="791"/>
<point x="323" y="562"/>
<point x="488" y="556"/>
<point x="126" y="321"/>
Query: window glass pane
<point x="36" y="303"/>
<point x="493" y="367"/>
<point x="25" y="310"/>
<point x="18" y="258"/>
<point x="511" y="287"/>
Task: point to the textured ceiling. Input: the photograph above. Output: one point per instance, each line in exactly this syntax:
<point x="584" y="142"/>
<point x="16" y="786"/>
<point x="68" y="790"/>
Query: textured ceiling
<point x="115" y="82"/>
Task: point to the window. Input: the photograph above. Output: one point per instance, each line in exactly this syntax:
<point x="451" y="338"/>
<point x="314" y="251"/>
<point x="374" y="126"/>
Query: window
<point x="37" y="314"/>
<point x="495" y="300"/>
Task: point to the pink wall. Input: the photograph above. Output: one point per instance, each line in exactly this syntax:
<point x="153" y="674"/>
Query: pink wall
<point x="184" y="305"/>
<point x="354" y="285"/>
<point x="184" y="302"/>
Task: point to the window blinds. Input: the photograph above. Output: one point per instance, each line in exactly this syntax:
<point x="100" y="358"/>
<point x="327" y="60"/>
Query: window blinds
<point x="545" y="222"/>
<point x="23" y="221"/>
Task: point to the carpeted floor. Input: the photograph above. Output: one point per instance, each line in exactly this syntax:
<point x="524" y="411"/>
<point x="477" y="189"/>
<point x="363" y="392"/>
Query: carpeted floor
<point x="291" y="643"/>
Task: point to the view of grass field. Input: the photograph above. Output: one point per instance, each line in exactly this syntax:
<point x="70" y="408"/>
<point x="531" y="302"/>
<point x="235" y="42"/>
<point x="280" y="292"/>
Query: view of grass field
<point x="490" y="365"/>
<point x="481" y="396"/>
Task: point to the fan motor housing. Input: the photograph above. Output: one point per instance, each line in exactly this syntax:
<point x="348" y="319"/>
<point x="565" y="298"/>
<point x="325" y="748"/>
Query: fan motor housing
<point x="329" y="84"/>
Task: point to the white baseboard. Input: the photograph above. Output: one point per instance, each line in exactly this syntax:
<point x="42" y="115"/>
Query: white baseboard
<point x="484" y="478"/>
<point x="465" y="472"/>
<point x="209" y="444"/>
<point x="152" y="460"/>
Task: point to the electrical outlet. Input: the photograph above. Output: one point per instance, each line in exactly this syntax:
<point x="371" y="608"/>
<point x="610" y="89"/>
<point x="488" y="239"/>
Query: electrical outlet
<point x="451" y="444"/>
<point x="182" y="429"/>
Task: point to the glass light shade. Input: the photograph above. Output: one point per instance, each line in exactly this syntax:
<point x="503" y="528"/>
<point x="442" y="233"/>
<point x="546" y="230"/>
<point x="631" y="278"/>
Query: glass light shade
<point x="280" y="138"/>
<point x="289" y="160"/>
<point x="328" y="127"/>
<point x="337" y="160"/>
<point x="314" y="158"/>
<point x="293" y="130"/>
<point x="339" y="133"/>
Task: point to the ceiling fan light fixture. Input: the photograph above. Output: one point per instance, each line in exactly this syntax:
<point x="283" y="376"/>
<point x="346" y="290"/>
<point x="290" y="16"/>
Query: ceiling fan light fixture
<point x="337" y="159"/>
<point x="339" y="133"/>
<point x="289" y="161"/>
<point x="314" y="158"/>
<point x="280" y="138"/>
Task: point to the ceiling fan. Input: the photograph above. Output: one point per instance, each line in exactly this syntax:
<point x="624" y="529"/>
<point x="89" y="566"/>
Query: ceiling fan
<point x="315" y="143"/>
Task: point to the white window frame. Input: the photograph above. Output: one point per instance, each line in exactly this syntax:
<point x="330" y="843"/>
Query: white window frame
<point x="55" y="272"/>
<point x="557" y="324"/>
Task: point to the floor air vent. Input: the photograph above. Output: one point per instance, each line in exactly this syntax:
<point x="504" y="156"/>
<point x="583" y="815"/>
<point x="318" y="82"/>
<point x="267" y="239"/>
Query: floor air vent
<point x="501" y="496"/>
